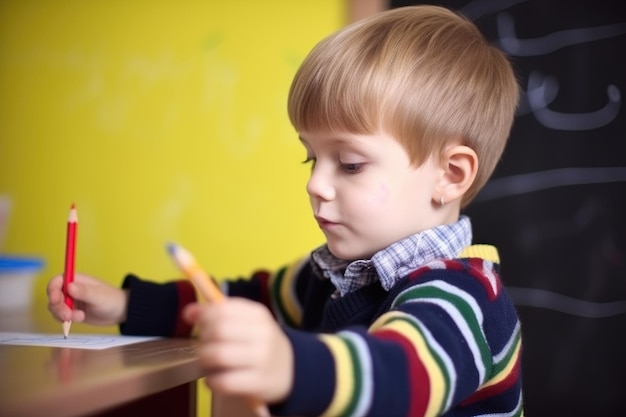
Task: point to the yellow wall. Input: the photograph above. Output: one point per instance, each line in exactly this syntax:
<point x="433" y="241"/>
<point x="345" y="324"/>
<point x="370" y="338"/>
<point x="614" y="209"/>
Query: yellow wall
<point x="162" y="121"/>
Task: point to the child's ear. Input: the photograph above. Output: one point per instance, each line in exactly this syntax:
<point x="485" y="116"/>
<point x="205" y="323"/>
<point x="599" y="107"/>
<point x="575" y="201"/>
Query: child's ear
<point x="459" y="164"/>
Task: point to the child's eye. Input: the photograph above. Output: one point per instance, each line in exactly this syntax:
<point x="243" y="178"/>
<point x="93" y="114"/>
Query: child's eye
<point x="309" y="160"/>
<point x="352" y="168"/>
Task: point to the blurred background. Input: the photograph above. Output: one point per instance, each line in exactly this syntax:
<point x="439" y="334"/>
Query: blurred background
<point x="161" y="121"/>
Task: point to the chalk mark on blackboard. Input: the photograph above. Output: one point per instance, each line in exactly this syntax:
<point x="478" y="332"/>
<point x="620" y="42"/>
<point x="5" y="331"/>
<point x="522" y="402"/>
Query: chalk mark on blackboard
<point x="479" y="8"/>
<point x="542" y="90"/>
<point x="515" y="46"/>
<point x="534" y="297"/>
<point x="513" y="185"/>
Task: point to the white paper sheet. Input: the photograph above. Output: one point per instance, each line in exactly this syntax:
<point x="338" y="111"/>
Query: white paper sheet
<point x="77" y="341"/>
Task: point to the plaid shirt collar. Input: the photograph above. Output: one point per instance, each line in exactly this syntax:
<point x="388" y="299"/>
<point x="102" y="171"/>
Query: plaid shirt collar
<point x="395" y="261"/>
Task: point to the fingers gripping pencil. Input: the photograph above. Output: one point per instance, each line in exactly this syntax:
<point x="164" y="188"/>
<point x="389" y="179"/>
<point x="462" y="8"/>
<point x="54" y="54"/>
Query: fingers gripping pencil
<point x="211" y="292"/>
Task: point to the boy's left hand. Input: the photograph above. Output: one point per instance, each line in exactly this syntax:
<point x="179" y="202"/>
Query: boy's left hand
<point x="244" y="351"/>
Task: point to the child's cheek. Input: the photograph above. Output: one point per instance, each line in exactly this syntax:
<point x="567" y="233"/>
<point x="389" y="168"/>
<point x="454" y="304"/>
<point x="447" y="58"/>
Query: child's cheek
<point x="381" y="195"/>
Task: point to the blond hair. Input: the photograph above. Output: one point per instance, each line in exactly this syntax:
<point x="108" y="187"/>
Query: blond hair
<point x="423" y="74"/>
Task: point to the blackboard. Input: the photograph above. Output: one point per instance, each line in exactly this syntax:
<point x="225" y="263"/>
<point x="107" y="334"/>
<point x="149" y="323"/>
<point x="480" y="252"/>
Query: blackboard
<point x="555" y="206"/>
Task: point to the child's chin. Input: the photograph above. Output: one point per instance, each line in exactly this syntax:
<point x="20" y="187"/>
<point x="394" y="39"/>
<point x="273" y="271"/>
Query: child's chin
<point x="346" y="253"/>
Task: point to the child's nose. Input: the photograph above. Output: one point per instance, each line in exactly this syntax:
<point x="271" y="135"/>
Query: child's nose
<point x="320" y="186"/>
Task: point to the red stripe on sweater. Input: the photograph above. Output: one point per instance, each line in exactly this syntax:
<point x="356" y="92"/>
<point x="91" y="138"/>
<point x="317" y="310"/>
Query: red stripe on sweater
<point x="264" y="278"/>
<point x="433" y="266"/>
<point x="477" y="270"/>
<point x="500" y="387"/>
<point x="419" y="383"/>
<point x="186" y="294"/>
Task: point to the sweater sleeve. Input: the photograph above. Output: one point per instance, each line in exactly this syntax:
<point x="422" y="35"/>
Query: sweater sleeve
<point x="281" y="291"/>
<point x="253" y="288"/>
<point x="447" y="342"/>
<point x="154" y="309"/>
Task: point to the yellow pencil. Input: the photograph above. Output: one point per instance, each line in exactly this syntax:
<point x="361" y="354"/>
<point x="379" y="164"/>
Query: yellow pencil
<point x="210" y="291"/>
<point x="188" y="265"/>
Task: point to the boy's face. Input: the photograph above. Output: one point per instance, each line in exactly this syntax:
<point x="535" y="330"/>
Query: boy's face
<point x="365" y="194"/>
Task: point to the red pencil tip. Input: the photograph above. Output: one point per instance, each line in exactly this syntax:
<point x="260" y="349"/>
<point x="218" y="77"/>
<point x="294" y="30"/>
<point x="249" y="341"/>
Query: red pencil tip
<point x="73" y="206"/>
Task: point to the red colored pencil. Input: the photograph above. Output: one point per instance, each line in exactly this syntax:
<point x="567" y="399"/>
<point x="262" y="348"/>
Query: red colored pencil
<point x="70" y="259"/>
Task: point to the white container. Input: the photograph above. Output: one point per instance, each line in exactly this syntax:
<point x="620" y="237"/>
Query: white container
<point x="17" y="275"/>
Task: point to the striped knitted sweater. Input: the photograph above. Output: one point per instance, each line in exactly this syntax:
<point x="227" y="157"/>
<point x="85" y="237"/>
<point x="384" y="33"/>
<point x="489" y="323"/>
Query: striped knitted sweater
<point x="444" y="341"/>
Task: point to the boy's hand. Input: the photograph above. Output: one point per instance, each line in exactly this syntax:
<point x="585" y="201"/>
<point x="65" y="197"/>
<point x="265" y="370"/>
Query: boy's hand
<point x="95" y="301"/>
<point x="244" y="351"/>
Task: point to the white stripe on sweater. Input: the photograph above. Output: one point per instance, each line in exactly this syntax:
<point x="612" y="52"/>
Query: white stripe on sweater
<point x="456" y="316"/>
<point x="364" y="357"/>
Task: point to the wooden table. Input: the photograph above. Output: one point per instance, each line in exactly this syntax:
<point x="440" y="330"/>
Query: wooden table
<point x="153" y="378"/>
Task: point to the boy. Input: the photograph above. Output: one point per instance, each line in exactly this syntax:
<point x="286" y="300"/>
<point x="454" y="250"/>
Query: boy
<point x="403" y="117"/>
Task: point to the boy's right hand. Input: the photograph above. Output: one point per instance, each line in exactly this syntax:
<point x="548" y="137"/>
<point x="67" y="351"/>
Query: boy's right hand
<point x="95" y="302"/>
